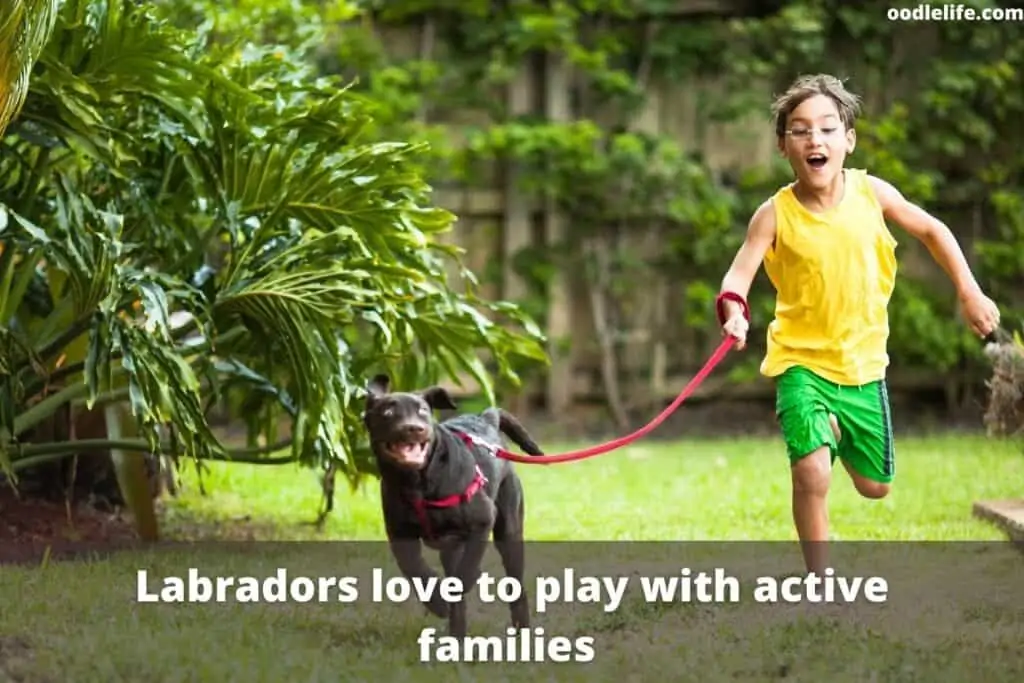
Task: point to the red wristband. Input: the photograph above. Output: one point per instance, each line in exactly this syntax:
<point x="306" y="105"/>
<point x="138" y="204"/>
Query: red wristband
<point x="730" y="296"/>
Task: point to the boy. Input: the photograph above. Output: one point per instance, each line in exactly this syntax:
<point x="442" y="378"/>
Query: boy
<point x="825" y="247"/>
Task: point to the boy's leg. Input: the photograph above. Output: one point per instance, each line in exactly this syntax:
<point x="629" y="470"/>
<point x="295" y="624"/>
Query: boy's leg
<point x="803" y="406"/>
<point x="867" y="448"/>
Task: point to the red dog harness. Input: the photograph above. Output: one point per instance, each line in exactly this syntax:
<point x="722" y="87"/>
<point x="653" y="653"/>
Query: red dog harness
<point x="477" y="483"/>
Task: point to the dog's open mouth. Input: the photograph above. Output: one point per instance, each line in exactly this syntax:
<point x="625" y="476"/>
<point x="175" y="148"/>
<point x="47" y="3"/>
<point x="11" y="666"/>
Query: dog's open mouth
<point x="817" y="161"/>
<point x="409" y="452"/>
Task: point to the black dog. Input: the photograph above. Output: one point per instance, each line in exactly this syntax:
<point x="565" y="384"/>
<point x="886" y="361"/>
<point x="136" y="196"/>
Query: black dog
<point x="441" y="485"/>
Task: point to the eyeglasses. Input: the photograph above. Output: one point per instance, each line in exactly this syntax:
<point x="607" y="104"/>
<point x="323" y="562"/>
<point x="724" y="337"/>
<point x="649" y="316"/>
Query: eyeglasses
<point x="802" y="133"/>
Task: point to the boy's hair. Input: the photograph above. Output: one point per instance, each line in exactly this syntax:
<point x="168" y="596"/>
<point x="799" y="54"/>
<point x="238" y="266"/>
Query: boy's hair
<point x="807" y="87"/>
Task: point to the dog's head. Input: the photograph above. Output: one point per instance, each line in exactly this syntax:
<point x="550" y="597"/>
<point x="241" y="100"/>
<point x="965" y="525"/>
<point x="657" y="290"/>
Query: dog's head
<point x="401" y="424"/>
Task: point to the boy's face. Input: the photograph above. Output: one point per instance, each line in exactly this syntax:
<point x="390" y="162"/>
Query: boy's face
<point x="816" y="142"/>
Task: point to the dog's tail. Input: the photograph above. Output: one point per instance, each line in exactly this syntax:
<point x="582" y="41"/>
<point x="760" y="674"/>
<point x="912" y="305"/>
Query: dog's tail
<point x="514" y="429"/>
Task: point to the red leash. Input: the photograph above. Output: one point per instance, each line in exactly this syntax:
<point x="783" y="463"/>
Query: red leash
<point x="690" y="387"/>
<point x="714" y="360"/>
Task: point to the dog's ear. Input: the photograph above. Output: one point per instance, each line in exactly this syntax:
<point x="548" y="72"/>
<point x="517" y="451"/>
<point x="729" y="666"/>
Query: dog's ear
<point x="438" y="398"/>
<point x="377" y="387"/>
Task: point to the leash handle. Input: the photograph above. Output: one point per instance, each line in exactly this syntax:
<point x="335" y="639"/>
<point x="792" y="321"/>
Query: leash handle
<point x="734" y="297"/>
<point x="581" y="454"/>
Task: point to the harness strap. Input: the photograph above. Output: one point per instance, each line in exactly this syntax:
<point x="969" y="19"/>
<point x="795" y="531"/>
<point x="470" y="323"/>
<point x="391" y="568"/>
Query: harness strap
<point x="471" y="440"/>
<point x="421" y="504"/>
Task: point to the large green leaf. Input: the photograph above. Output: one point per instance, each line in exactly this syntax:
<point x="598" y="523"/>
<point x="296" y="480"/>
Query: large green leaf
<point x="25" y="27"/>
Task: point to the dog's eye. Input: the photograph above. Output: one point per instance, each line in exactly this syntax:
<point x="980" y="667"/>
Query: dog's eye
<point x="388" y="412"/>
<point x="424" y="410"/>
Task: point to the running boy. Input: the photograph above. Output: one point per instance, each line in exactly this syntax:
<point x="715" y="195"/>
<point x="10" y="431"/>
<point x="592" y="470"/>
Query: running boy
<point x="831" y="259"/>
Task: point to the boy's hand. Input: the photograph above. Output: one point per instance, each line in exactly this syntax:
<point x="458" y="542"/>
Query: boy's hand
<point x="737" y="326"/>
<point x="980" y="312"/>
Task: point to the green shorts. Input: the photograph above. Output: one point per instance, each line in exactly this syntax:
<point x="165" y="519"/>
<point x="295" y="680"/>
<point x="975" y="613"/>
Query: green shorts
<point x="803" y="403"/>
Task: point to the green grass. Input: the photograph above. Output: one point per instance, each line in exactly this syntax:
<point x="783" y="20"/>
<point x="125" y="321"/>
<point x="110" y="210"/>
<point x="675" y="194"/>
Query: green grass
<point x="955" y="612"/>
<point x="700" y="490"/>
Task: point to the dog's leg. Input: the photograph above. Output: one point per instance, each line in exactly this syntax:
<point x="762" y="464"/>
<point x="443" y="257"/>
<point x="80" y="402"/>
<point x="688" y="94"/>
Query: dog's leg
<point x="408" y="554"/>
<point x="510" y="542"/>
<point x="451" y="554"/>
<point x="467" y="557"/>
<point x="407" y="548"/>
<point x="514" y="429"/>
<point x="451" y="557"/>
<point x="468" y="571"/>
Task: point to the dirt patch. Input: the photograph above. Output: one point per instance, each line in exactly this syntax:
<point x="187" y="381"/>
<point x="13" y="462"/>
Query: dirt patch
<point x="32" y="529"/>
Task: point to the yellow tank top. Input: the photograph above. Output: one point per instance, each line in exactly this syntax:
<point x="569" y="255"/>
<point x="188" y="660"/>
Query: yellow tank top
<point x="833" y="273"/>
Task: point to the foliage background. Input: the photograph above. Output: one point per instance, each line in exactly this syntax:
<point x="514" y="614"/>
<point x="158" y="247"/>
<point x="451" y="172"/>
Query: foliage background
<point x="941" y="106"/>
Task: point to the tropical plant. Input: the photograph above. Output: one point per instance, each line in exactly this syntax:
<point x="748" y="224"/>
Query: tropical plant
<point x="25" y="26"/>
<point x="182" y="232"/>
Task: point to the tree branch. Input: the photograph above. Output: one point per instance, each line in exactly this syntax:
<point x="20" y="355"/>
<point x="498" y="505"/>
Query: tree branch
<point x="30" y="455"/>
<point x="46" y="407"/>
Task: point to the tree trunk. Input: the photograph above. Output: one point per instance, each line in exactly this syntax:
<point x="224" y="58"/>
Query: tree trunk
<point x="597" y="250"/>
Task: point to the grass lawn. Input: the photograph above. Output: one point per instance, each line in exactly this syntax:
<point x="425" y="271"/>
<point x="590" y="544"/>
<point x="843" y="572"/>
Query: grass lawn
<point x="701" y="490"/>
<point x="954" y="611"/>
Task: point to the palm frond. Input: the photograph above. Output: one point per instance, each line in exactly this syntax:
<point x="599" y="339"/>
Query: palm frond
<point x="25" y="28"/>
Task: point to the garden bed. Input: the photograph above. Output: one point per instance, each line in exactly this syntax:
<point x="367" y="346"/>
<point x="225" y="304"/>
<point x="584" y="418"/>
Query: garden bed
<point x="29" y="526"/>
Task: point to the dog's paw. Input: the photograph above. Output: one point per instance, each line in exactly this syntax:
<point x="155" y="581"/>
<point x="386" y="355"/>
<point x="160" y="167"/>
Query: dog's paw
<point x="520" y="620"/>
<point x="520" y="616"/>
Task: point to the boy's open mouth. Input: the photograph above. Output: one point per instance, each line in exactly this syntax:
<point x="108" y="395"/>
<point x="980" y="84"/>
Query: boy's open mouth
<point x="817" y="160"/>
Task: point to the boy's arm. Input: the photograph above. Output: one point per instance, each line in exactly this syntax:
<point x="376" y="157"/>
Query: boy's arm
<point x="744" y="267"/>
<point x="981" y="313"/>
